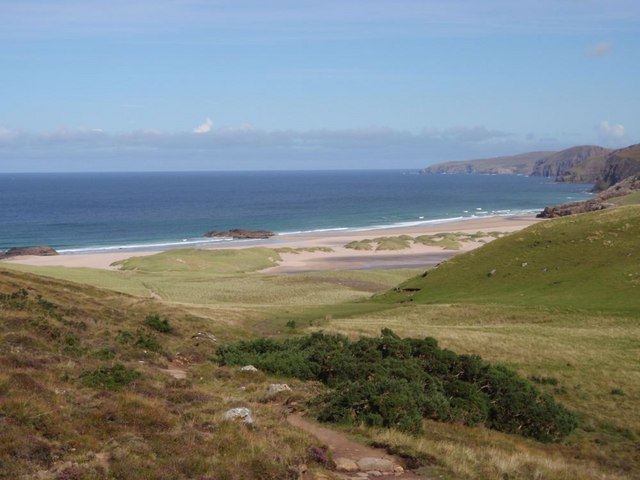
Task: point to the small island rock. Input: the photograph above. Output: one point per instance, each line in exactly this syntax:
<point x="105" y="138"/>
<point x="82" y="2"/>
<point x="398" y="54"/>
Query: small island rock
<point x="240" y="234"/>
<point x="41" y="251"/>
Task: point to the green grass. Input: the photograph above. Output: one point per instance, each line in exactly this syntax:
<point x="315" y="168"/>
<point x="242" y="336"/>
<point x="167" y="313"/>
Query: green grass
<point x="630" y="199"/>
<point x="360" y="245"/>
<point x="401" y="242"/>
<point x="586" y="262"/>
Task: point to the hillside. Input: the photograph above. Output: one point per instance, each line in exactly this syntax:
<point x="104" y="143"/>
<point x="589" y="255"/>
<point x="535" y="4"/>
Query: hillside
<point x="580" y="164"/>
<point x="588" y="262"/>
<point x="521" y="164"/>
<point x="92" y="387"/>
<point x="87" y="387"/>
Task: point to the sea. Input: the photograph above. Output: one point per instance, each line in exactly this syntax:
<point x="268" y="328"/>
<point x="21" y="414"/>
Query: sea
<point x="101" y="212"/>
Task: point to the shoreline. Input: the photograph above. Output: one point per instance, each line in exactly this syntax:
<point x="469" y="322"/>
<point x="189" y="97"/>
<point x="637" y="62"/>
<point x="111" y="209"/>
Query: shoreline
<point x="340" y="258"/>
<point x="203" y="242"/>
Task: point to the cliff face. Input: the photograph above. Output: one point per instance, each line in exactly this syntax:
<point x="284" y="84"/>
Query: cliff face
<point x="521" y="164"/>
<point x="618" y="165"/>
<point x="586" y="164"/>
<point x="577" y="164"/>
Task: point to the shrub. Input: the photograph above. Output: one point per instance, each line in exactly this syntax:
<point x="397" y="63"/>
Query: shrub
<point x="158" y="323"/>
<point x="393" y="382"/>
<point x="147" y="342"/>
<point x="110" y="378"/>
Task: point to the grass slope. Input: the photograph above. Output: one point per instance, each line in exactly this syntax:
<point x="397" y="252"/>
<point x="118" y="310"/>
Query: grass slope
<point x="84" y="393"/>
<point x="588" y="262"/>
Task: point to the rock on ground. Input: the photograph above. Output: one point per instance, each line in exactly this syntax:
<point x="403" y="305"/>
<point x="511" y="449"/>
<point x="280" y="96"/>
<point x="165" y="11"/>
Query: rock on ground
<point x="241" y="414"/>
<point x="275" y="389"/>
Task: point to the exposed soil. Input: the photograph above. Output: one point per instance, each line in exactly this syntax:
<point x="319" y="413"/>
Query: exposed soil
<point x="342" y="447"/>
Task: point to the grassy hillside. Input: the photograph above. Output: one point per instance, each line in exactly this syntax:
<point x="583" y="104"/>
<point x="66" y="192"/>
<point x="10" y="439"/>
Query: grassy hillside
<point x="586" y="262"/>
<point x="84" y="392"/>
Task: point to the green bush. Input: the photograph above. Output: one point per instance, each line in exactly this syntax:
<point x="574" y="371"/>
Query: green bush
<point x="158" y="323"/>
<point x="393" y="382"/>
<point x="147" y="342"/>
<point x="110" y="378"/>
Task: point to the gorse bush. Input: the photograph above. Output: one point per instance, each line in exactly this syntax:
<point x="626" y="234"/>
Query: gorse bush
<point x="394" y="382"/>
<point x="158" y="323"/>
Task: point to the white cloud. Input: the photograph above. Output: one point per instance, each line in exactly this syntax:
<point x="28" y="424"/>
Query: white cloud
<point x="205" y="127"/>
<point x="611" y="131"/>
<point x="600" y="49"/>
<point x="249" y="147"/>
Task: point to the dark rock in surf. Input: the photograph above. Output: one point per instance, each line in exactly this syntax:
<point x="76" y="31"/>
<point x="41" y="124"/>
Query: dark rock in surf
<point x="41" y="251"/>
<point x="240" y="234"/>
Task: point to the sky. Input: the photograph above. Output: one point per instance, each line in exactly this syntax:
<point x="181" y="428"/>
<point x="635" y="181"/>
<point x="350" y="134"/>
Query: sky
<point x="157" y="85"/>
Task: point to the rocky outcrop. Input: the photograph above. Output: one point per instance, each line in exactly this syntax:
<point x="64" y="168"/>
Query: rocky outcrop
<point x="240" y="234"/>
<point x="572" y="208"/>
<point x="20" y="251"/>
<point x="577" y="164"/>
<point x="619" y="164"/>
<point x="625" y="187"/>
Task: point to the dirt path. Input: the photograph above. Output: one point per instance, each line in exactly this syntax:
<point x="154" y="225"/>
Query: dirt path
<point x="350" y="455"/>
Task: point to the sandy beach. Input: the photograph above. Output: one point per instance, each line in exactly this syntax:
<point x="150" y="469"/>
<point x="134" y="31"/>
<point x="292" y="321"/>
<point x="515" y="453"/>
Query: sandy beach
<point x="341" y="258"/>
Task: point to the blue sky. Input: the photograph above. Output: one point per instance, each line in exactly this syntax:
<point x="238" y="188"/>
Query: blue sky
<point x="253" y="84"/>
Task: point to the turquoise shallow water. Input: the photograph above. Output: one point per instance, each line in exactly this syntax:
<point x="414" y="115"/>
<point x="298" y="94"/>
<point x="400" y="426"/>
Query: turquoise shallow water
<point x="96" y="212"/>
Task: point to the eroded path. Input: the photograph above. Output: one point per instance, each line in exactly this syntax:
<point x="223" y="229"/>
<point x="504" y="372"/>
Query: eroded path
<point x="353" y="460"/>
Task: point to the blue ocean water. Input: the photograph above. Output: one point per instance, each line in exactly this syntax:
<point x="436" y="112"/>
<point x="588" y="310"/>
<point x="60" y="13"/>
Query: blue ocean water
<point x="75" y="212"/>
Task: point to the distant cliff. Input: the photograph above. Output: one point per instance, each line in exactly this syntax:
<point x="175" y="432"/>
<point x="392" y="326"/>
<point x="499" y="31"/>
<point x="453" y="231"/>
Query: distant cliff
<point x="585" y="163"/>
<point x="577" y="164"/>
<point x="521" y="164"/>
<point x="618" y="165"/>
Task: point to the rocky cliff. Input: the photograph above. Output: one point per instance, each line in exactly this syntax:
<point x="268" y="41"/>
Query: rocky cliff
<point x="618" y="165"/>
<point x="577" y="164"/>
